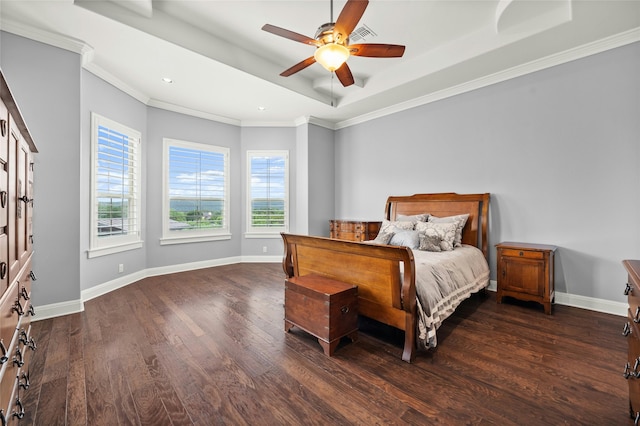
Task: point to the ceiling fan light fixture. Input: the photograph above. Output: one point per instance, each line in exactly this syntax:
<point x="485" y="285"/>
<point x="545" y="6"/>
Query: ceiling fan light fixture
<point x="331" y="56"/>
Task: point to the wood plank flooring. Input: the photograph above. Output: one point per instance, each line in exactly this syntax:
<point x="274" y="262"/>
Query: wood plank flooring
<point x="207" y="347"/>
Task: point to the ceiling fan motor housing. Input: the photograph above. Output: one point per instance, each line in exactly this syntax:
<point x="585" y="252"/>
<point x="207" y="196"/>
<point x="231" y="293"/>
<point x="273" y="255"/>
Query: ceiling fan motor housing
<point x="325" y="35"/>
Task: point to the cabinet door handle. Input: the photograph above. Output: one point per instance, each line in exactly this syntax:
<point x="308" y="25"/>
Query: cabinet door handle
<point x="628" y="289"/>
<point x="3" y="132"/>
<point x="3" y="199"/>
<point x="4" y="357"/>
<point x="3" y="270"/>
<point x="627" y="370"/>
<point x="19" y="414"/>
<point x="17" y="307"/>
<point x="626" y="330"/>
<point x="18" y="359"/>
<point x="24" y="380"/>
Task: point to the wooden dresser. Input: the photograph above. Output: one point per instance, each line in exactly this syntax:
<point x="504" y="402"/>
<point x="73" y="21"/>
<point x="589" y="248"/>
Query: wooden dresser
<point x="353" y="230"/>
<point x="16" y="239"/>
<point x="525" y="272"/>
<point x="632" y="331"/>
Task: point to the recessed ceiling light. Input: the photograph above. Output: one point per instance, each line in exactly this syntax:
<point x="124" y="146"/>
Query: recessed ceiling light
<point x="167" y="80"/>
<point x="261" y="108"/>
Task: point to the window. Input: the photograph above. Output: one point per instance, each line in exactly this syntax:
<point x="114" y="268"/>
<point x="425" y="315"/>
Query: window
<point x="196" y="192"/>
<point x="115" y="187"/>
<point x="268" y="193"/>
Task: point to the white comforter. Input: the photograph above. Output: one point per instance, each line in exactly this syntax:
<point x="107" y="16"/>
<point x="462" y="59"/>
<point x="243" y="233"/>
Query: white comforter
<point x="443" y="281"/>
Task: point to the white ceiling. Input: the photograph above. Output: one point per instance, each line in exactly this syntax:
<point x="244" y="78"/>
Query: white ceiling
<point x="225" y="67"/>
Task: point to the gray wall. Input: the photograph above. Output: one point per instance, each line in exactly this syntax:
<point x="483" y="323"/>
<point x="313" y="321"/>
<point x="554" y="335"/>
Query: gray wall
<point x="558" y="150"/>
<point x="256" y="138"/>
<point x="102" y="98"/>
<point x="321" y="180"/>
<point x="166" y="124"/>
<point x="45" y="82"/>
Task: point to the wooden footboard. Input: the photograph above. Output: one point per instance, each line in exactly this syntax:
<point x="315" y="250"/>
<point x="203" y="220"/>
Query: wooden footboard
<point x="385" y="277"/>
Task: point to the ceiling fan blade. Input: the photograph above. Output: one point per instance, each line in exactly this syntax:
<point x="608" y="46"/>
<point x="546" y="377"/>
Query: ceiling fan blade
<point x="298" y="67"/>
<point x="349" y="18"/>
<point x="374" y="50"/>
<point x="289" y="34"/>
<point x="344" y="75"/>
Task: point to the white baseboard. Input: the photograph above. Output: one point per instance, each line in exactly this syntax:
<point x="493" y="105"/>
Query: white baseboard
<point x="75" y="306"/>
<point x="577" y="301"/>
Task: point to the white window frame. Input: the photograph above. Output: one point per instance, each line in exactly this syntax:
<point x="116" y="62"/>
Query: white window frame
<point x="105" y="245"/>
<point x="197" y="235"/>
<point x="270" y="232"/>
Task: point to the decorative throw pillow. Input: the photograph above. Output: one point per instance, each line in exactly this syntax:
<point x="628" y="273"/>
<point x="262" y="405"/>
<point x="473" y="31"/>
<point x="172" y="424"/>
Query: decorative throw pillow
<point x="460" y="220"/>
<point x="406" y="238"/>
<point x="415" y="218"/>
<point x="395" y="226"/>
<point x="437" y="236"/>
<point x="383" y="237"/>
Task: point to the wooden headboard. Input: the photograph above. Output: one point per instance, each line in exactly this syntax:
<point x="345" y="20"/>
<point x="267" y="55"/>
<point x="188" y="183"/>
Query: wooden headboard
<point x="448" y="204"/>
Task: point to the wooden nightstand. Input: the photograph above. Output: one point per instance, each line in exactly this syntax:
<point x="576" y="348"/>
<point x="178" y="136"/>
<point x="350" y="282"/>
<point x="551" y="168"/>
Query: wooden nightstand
<point x="525" y="272"/>
<point x="353" y="230"/>
<point x="324" y="308"/>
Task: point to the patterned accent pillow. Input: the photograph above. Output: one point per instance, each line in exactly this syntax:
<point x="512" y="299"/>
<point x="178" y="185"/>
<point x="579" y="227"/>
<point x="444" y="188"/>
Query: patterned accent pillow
<point x="415" y="218"/>
<point x="384" y="237"/>
<point x="437" y="236"/>
<point x="460" y="220"/>
<point x="406" y="238"/>
<point x="388" y="226"/>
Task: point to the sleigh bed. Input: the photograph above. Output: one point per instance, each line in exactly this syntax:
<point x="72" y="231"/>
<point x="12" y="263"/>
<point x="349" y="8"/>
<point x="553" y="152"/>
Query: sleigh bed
<point x="411" y="289"/>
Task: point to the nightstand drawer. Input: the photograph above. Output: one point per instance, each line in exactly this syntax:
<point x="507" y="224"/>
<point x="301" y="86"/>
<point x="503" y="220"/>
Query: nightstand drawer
<point x="523" y="253"/>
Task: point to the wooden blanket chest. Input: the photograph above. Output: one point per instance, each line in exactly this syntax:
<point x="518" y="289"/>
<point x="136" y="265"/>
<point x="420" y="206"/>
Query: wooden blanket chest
<point x="324" y="308"/>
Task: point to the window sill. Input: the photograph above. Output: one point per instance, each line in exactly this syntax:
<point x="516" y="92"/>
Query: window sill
<point x="272" y="235"/>
<point x="193" y="239"/>
<point x="104" y="251"/>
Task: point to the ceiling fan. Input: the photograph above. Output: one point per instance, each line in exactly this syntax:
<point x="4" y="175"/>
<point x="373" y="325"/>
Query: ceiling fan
<point x="332" y="42"/>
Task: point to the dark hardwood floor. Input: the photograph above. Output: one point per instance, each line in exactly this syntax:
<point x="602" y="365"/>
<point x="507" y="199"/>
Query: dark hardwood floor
<point x="207" y="347"/>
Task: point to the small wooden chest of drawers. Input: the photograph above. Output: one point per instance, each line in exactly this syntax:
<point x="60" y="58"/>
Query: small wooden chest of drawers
<point x="525" y="272"/>
<point x="353" y="230"/>
<point x="324" y="308"/>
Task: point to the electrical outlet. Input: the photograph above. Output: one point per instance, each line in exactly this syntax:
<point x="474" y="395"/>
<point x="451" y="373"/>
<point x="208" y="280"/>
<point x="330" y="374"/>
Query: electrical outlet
<point x="121" y="267"/>
<point x="264" y="249"/>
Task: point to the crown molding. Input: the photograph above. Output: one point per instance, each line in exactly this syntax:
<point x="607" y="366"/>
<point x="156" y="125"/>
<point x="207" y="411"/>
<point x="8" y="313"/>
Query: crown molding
<point x="47" y="37"/>
<point x="580" y="52"/>
<point x="192" y="112"/>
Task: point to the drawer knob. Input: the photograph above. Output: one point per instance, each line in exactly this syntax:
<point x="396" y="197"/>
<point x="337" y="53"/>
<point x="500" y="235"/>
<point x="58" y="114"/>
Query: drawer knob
<point x="626" y="330"/>
<point x="628" y="289"/>
<point x="521" y="253"/>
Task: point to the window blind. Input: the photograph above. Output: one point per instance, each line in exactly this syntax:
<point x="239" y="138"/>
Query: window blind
<point x="269" y="191"/>
<point x="197" y="189"/>
<point x="116" y="174"/>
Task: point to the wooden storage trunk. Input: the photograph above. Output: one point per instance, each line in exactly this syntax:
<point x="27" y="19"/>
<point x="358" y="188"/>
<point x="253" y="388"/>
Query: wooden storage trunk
<point x="323" y="307"/>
